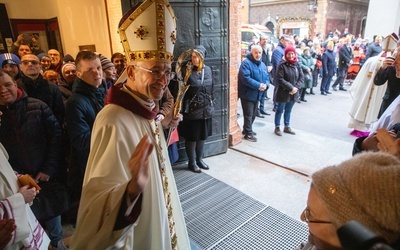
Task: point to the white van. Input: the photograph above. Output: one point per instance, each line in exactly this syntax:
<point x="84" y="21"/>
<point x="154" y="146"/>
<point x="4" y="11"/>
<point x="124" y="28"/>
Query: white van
<point x="251" y="32"/>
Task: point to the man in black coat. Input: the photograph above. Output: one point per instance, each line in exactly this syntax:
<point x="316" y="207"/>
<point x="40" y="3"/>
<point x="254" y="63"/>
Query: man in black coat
<point x="387" y="73"/>
<point x="36" y="86"/>
<point x="32" y="137"/>
<point x="374" y="48"/>
<point x="345" y="60"/>
<point x="266" y="59"/>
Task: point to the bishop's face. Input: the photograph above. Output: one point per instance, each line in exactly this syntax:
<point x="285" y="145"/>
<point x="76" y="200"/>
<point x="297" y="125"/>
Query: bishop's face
<point x="149" y="79"/>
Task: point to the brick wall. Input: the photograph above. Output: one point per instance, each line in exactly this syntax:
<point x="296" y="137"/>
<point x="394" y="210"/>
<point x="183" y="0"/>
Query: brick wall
<point x="235" y="7"/>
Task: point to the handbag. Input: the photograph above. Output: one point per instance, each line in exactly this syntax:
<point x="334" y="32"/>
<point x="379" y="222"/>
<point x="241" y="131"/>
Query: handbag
<point x="201" y="100"/>
<point x="52" y="200"/>
<point x="318" y="64"/>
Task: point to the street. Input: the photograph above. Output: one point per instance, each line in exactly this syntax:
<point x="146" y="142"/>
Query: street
<point x="275" y="169"/>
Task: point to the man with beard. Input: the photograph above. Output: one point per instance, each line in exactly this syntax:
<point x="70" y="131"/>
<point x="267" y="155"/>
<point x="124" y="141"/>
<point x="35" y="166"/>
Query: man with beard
<point x="364" y="188"/>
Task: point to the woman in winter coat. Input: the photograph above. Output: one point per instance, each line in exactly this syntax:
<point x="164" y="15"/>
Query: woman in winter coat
<point x="289" y="79"/>
<point x="196" y="126"/>
<point x="307" y="65"/>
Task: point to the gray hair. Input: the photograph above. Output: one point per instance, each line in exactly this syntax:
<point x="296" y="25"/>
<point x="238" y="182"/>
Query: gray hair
<point x="256" y="47"/>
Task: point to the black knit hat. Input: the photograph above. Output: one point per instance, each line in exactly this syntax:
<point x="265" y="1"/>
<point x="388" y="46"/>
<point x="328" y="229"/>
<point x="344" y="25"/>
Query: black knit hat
<point x="68" y="58"/>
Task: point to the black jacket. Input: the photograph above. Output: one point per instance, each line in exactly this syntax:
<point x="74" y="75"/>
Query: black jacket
<point x="82" y="107"/>
<point x="328" y="63"/>
<point x="288" y="76"/>
<point x="47" y="92"/>
<point x="32" y="137"/>
<point x="393" y="86"/>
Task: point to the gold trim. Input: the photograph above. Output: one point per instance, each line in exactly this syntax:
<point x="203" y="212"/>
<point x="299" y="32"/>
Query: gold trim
<point x="162" y="54"/>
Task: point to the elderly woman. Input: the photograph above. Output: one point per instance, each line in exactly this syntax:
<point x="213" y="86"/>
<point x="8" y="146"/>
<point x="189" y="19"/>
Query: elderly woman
<point x="364" y="188"/>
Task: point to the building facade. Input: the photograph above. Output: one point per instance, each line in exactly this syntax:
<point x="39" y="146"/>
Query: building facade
<point x="310" y="17"/>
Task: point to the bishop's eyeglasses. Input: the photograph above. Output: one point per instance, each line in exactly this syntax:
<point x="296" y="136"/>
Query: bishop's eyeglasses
<point x="158" y="74"/>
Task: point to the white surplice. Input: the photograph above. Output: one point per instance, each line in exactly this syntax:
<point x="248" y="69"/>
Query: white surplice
<point x="28" y="234"/>
<point x="115" y="135"/>
<point x="367" y="97"/>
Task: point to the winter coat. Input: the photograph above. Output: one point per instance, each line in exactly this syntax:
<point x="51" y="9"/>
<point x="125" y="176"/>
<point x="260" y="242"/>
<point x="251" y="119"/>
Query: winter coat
<point x="251" y="74"/>
<point x="276" y="58"/>
<point x="373" y="49"/>
<point x="45" y="91"/>
<point x="66" y="90"/>
<point x="197" y="102"/>
<point x="82" y="107"/>
<point x="307" y="62"/>
<point x="328" y="63"/>
<point x="288" y="77"/>
<point x="32" y="136"/>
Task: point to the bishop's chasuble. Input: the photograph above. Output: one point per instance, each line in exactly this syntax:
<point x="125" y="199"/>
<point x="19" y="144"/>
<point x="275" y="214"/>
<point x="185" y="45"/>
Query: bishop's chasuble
<point x="118" y="128"/>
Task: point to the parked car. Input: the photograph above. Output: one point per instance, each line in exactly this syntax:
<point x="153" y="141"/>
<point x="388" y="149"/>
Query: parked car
<point x="251" y="34"/>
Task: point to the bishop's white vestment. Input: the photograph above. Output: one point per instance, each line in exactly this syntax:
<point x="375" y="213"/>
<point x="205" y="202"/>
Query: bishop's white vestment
<point x="117" y="130"/>
<point x="367" y="97"/>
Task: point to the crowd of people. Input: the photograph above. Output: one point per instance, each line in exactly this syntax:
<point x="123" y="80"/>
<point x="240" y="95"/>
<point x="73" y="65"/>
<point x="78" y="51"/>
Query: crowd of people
<point x="314" y="62"/>
<point x="71" y="121"/>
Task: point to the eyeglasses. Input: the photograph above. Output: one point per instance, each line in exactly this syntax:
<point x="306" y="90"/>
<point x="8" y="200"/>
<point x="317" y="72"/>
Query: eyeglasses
<point x="306" y="218"/>
<point x="26" y="62"/>
<point x="158" y="74"/>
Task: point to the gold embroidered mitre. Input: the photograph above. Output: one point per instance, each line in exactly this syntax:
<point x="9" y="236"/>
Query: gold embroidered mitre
<point x="148" y="32"/>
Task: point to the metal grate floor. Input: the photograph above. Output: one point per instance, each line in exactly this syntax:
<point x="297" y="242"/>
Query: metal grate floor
<point x="219" y="216"/>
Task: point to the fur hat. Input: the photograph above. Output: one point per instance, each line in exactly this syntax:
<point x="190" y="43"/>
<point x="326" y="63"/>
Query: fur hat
<point x="306" y="48"/>
<point x="105" y="63"/>
<point x="365" y="188"/>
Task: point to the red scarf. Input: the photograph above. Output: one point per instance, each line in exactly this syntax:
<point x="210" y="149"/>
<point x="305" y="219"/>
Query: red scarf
<point x="292" y="61"/>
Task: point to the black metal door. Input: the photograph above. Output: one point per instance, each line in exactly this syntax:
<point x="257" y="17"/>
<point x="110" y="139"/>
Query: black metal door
<point x="205" y="23"/>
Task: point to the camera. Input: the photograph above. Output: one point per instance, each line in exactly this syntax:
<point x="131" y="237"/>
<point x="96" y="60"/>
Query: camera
<point x="354" y="235"/>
